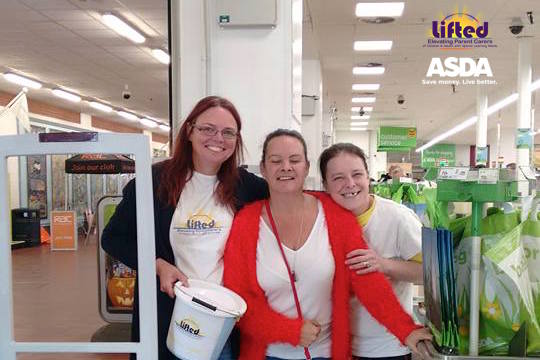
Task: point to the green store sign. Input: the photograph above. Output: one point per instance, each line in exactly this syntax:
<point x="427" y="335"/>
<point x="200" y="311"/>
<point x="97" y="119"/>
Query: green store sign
<point x="439" y="155"/>
<point x="396" y="139"/>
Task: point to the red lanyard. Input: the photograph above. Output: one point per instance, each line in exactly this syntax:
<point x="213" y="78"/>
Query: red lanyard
<point x="291" y="277"/>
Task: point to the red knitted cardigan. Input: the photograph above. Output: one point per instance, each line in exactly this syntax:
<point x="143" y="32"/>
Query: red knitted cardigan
<point x="261" y="325"/>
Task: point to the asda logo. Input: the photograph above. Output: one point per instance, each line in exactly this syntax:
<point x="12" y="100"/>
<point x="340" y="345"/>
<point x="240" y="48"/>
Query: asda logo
<point x="462" y="67"/>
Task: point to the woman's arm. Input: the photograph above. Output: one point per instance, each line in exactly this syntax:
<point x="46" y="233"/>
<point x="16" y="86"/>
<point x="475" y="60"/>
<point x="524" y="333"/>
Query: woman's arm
<point x="260" y="322"/>
<point x="365" y="261"/>
<point x="375" y="293"/>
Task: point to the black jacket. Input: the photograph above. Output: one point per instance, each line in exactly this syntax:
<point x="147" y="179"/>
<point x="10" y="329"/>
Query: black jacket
<point x="119" y="240"/>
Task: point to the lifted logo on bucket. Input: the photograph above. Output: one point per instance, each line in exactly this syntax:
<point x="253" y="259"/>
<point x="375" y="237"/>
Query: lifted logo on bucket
<point x="190" y="327"/>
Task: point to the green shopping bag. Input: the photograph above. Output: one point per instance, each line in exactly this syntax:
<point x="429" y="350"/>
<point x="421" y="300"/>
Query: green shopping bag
<point x="398" y="195"/>
<point x="436" y="211"/>
<point x="530" y="237"/>
<point x="383" y="191"/>
<point x="499" y="308"/>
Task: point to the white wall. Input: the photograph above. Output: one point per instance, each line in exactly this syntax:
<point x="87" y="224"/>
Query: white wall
<point x="507" y="145"/>
<point x="312" y="125"/>
<point x="462" y="154"/>
<point x="253" y="67"/>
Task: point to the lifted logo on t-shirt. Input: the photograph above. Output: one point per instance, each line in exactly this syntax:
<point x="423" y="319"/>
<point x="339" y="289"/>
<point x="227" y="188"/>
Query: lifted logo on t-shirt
<point x="199" y="224"/>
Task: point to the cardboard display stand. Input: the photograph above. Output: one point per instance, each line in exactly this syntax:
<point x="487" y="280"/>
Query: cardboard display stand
<point x="63" y="230"/>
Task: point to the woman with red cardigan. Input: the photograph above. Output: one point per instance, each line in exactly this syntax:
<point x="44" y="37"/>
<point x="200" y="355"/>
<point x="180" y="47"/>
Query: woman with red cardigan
<point x="286" y="257"/>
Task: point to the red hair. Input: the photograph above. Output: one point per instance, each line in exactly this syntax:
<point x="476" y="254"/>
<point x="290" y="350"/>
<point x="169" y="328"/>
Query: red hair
<point x="179" y="169"/>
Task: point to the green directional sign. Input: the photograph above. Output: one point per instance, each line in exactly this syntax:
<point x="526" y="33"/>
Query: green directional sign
<point x="396" y="139"/>
<point x="439" y="155"/>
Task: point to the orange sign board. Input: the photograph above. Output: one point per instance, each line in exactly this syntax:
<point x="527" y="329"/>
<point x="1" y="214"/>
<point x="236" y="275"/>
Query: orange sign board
<point x="63" y="230"/>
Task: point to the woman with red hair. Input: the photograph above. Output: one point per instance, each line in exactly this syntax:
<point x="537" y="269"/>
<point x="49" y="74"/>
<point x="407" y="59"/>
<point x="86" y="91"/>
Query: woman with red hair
<point x="196" y="193"/>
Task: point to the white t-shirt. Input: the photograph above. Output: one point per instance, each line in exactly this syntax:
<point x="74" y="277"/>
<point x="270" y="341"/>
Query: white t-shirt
<point x="199" y="230"/>
<point x="394" y="232"/>
<point x="314" y="267"/>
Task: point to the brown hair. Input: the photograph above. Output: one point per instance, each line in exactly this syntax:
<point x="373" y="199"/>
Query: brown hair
<point x="335" y="150"/>
<point x="284" y="132"/>
<point x="179" y="169"/>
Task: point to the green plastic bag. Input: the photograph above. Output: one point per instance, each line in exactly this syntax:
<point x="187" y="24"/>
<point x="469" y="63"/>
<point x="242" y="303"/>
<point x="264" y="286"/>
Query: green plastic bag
<point x="398" y="195"/>
<point x="436" y="211"/>
<point x="383" y="191"/>
<point x="530" y="237"/>
<point x="499" y="308"/>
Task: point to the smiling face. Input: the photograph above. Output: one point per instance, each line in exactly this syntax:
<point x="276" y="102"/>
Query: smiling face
<point x="347" y="182"/>
<point x="285" y="166"/>
<point x="209" y="152"/>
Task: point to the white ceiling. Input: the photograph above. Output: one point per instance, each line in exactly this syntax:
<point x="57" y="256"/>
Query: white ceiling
<point x="63" y="42"/>
<point x="331" y="27"/>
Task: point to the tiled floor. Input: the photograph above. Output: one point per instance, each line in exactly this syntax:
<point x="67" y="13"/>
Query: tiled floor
<point x="55" y="296"/>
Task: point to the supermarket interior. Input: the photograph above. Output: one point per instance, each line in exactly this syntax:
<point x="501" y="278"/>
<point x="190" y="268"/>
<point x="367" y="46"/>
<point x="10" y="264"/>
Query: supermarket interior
<point x="437" y="98"/>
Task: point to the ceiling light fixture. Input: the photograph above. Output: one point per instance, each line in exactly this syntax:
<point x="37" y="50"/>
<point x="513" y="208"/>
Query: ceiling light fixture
<point x="373" y="45"/>
<point x="372" y="9"/>
<point x="21" y="80"/>
<point x="66" y="95"/>
<point x="99" y="106"/>
<point x="365" y="108"/>
<point x="161" y="56"/>
<point x="366" y="87"/>
<point x="360" y="117"/>
<point x="366" y="99"/>
<point x="148" y="123"/>
<point x="358" y="129"/>
<point x="122" y="28"/>
<point x="128" y="116"/>
<point x="368" y="70"/>
<point x="469" y="122"/>
<point x="359" y="123"/>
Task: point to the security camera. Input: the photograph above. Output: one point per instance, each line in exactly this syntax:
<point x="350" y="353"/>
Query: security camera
<point x="126" y="94"/>
<point x="516" y="26"/>
<point x="401" y="99"/>
<point x="361" y="112"/>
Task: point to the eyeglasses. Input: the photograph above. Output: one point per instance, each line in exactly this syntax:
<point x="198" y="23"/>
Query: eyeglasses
<point x="227" y="133"/>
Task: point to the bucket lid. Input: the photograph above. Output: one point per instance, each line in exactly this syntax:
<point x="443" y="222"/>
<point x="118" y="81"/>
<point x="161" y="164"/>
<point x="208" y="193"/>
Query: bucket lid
<point x="212" y="297"/>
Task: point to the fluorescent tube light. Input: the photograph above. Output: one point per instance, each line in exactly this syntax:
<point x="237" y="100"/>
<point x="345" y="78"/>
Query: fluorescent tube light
<point x="359" y="123"/>
<point x="165" y="127"/>
<point x="66" y="95"/>
<point x="469" y="122"/>
<point x="389" y="9"/>
<point x="366" y="87"/>
<point x="368" y="70"/>
<point x="360" y="117"/>
<point x="122" y="28"/>
<point x="503" y="103"/>
<point x="357" y="108"/>
<point x="373" y="45"/>
<point x="366" y="99"/>
<point x="535" y="85"/>
<point x="99" y="106"/>
<point x="128" y="116"/>
<point x="358" y="129"/>
<point x="148" y="123"/>
<point x="21" y="80"/>
<point x="161" y="56"/>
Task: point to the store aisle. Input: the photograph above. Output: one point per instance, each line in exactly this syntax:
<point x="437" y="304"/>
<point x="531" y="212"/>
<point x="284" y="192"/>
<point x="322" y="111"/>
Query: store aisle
<point x="56" y="298"/>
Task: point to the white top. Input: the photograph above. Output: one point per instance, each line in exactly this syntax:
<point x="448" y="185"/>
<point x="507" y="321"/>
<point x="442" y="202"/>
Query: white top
<point x="314" y="267"/>
<point x="199" y="230"/>
<point x="392" y="231"/>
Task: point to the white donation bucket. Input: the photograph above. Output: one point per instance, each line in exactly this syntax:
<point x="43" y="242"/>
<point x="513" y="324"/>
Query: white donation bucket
<point x="203" y="317"/>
